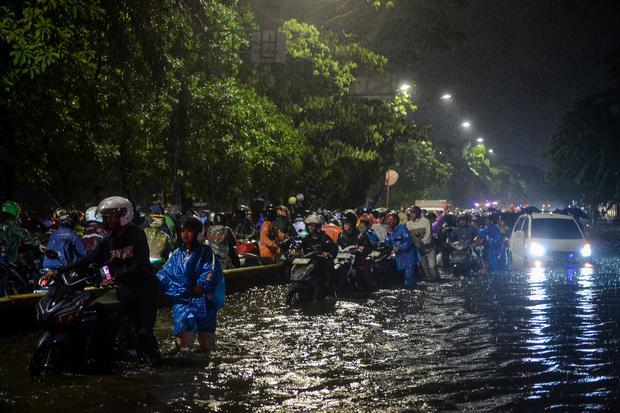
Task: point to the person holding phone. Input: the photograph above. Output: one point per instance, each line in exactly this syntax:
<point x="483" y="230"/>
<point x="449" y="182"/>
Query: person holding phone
<point x="124" y="258"/>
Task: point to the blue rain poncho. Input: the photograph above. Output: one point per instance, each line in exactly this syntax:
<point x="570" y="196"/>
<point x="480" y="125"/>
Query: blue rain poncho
<point x="182" y="273"/>
<point x="69" y="246"/>
<point x="407" y="256"/>
<point x="492" y="246"/>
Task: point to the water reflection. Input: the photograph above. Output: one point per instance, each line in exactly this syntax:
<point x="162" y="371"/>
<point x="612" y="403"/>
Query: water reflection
<point x="512" y="341"/>
<point x="563" y="337"/>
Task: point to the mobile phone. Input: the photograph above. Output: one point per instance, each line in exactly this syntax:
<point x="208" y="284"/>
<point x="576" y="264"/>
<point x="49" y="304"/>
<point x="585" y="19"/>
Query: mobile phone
<point x="105" y="272"/>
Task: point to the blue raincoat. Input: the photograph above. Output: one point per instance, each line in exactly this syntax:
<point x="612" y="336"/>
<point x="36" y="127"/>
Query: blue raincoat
<point x="69" y="246"/>
<point x="493" y="245"/>
<point x="180" y="275"/>
<point x="372" y="236"/>
<point x="407" y="256"/>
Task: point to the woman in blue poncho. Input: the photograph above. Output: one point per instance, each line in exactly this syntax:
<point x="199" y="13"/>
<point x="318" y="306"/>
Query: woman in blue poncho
<point x="193" y="277"/>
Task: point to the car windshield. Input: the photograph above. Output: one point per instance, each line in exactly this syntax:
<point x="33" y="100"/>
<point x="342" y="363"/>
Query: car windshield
<point x="555" y="229"/>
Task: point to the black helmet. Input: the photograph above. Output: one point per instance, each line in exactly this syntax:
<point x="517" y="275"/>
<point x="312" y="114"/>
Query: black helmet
<point x="349" y="217"/>
<point x="270" y="214"/>
<point x="219" y="218"/>
<point x="66" y="217"/>
<point x="189" y="222"/>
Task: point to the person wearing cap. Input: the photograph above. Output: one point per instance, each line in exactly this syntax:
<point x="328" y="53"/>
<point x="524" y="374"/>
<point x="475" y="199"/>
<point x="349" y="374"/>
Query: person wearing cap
<point x="194" y="278"/>
<point x="399" y="238"/>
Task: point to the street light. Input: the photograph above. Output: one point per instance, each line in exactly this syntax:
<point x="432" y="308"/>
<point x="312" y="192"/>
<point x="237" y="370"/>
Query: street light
<point x="480" y="139"/>
<point x="466" y="124"/>
<point x="446" y="97"/>
<point x="404" y="88"/>
<point x="491" y="151"/>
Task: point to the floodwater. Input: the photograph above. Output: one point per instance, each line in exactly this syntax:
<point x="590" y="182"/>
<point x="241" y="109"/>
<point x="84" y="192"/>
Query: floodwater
<point x="542" y="340"/>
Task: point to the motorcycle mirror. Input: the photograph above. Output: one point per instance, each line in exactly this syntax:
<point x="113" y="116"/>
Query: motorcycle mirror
<point x="51" y="254"/>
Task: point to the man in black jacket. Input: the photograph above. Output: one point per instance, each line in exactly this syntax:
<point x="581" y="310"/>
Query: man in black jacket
<point x="125" y="252"/>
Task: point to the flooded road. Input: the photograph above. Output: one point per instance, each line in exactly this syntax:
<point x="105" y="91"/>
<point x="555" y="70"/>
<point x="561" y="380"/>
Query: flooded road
<point x="506" y="342"/>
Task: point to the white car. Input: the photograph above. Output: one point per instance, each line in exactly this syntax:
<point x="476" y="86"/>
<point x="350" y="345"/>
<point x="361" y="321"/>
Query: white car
<point x="543" y="239"/>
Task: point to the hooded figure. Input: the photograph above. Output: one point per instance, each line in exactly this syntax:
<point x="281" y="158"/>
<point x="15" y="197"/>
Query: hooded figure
<point x="194" y="279"/>
<point x="407" y="256"/>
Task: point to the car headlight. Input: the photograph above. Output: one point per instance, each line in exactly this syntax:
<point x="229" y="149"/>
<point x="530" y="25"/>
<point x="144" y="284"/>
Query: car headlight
<point x="537" y="250"/>
<point x="586" y="251"/>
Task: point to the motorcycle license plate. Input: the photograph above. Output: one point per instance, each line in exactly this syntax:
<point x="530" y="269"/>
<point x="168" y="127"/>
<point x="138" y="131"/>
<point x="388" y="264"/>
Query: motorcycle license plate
<point x="301" y="261"/>
<point x="343" y="255"/>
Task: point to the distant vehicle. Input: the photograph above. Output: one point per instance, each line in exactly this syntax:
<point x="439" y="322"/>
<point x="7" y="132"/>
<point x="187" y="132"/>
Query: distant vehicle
<point x="546" y="239"/>
<point x="545" y="206"/>
<point x="438" y="205"/>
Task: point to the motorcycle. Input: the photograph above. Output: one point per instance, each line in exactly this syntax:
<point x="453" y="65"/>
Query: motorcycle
<point x="463" y="259"/>
<point x="81" y="332"/>
<point x="308" y="279"/>
<point x="382" y="265"/>
<point x="344" y="277"/>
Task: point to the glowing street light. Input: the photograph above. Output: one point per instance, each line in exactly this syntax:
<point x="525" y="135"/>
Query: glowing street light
<point x="404" y="88"/>
<point x="466" y="124"/>
<point x="446" y="97"/>
<point x="491" y="151"/>
<point x="480" y="139"/>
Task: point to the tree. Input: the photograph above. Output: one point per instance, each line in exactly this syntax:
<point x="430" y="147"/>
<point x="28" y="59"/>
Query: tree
<point x="586" y="149"/>
<point x="421" y="172"/>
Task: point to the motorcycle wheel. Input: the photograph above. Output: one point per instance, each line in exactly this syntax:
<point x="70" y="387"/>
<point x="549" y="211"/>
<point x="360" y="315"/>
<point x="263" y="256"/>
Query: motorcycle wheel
<point x="48" y="361"/>
<point x="295" y="297"/>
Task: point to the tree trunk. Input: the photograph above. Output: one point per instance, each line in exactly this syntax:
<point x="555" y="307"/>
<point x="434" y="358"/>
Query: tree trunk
<point x="179" y="130"/>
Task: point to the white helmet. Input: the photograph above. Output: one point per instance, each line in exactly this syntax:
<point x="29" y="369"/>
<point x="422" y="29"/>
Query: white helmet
<point x="119" y="206"/>
<point x="314" y="219"/>
<point x="92" y="215"/>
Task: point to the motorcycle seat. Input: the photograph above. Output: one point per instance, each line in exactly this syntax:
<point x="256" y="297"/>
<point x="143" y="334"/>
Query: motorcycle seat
<point x="108" y="301"/>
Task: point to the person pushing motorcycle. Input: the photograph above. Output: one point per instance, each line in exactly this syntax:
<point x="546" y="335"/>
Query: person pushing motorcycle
<point x="126" y="254"/>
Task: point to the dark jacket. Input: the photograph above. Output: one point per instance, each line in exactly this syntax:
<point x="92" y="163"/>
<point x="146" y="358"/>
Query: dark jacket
<point x="346" y="239"/>
<point x="127" y="256"/>
<point x="319" y="242"/>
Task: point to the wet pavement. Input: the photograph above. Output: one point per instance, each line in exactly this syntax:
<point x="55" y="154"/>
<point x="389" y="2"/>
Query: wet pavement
<point x="530" y="341"/>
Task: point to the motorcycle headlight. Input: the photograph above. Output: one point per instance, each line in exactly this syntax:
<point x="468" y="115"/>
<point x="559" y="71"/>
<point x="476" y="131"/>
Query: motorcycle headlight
<point x="586" y="251"/>
<point x="537" y="250"/>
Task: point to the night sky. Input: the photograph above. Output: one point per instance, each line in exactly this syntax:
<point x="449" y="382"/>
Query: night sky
<point x="518" y="69"/>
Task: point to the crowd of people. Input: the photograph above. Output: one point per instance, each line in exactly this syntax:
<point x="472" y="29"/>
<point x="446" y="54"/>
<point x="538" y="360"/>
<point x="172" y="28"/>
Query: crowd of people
<point x="164" y="251"/>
